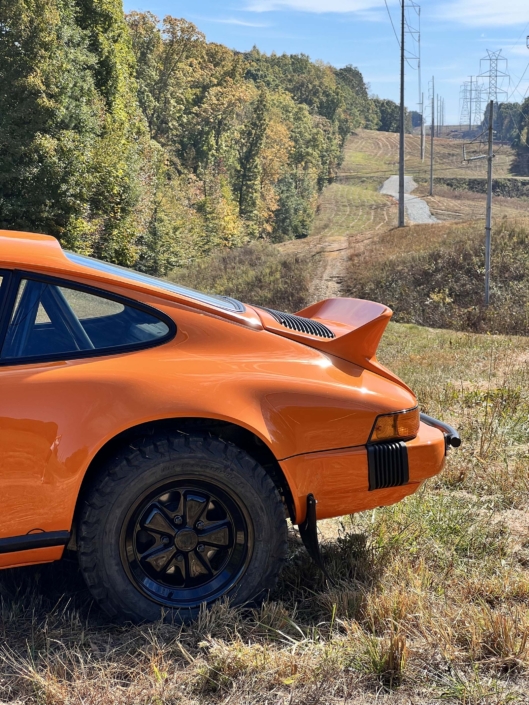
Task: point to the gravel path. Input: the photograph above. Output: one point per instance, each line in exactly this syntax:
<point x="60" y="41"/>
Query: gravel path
<point x="417" y="210"/>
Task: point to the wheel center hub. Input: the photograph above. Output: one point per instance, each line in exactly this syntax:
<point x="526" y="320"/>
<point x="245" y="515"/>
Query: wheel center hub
<point x="186" y="540"/>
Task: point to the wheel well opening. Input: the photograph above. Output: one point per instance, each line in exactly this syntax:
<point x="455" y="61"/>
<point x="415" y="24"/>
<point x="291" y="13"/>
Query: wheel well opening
<point x="241" y="437"/>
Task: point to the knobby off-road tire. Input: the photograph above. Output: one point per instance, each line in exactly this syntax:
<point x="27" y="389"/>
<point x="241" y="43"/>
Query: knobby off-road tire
<point x="173" y="522"/>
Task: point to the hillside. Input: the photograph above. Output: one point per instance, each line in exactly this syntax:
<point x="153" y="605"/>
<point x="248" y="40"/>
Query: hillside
<point x="353" y="218"/>
<point x="136" y="140"/>
<point x="353" y="240"/>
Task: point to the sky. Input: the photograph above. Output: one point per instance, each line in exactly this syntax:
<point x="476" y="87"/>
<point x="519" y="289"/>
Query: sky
<point x="455" y="36"/>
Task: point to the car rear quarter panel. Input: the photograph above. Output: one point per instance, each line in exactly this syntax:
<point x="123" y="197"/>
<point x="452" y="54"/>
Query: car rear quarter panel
<point x="55" y="417"/>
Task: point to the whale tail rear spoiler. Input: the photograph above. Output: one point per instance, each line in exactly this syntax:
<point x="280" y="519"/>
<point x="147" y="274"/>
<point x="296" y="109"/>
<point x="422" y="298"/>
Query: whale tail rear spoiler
<point x="350" y="329"/>
<point x="358" y="326"/>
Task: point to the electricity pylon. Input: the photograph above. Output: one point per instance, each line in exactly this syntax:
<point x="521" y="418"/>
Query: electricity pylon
<point x="495" y="75"/>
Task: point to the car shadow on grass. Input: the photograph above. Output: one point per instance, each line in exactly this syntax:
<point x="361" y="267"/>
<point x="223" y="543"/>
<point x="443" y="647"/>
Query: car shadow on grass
<point x="33" y="592"/>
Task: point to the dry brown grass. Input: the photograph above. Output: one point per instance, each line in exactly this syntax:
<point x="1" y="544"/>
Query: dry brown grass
<point x="431" y="601"/>
<point x="433" y="275"/>
<point x="377" y="153"/>
<point x="354" y="218"/>
<point x="448" y="204"/>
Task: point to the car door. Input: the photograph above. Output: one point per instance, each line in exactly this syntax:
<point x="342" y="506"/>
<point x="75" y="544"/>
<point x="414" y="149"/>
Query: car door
<point x="54" y="335"/>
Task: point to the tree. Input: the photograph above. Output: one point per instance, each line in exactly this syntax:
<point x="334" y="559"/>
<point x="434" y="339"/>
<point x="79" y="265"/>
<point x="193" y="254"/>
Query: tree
<point x="389" y="116"/>
<point x="416" y="118"/>
<point x="248" y="174"/>
<point x="137" y="141"/>
<point x="49" y="117"/>
<point x="167" y="60"/>
<point x="69" y="130"/>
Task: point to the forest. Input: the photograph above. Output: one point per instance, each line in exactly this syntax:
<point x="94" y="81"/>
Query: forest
<point x="136" y="141"/>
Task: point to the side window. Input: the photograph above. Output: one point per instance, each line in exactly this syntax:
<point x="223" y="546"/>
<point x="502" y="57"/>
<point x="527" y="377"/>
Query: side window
<point x="49" y="319"/>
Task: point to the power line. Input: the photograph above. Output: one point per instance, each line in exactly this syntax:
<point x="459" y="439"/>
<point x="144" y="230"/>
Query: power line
<point x="391" y="20"/>
<point x="518" y="84"/>
<point x="524" y="30"/>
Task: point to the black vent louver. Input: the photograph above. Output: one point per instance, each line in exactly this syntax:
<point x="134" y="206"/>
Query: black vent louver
<point x="388" y="465"/>
<point x="301" y="325"/>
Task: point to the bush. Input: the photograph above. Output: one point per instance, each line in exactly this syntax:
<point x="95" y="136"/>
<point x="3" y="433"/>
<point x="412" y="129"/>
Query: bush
<point x="257" y="274"/>
<point x="435" y="277"/>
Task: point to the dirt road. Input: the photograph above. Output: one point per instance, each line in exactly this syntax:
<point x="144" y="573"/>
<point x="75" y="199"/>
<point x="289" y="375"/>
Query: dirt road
<point x="417" y="210"/>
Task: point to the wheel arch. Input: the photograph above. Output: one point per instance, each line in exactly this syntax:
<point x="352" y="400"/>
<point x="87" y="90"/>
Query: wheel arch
<point x="241" y="437"/>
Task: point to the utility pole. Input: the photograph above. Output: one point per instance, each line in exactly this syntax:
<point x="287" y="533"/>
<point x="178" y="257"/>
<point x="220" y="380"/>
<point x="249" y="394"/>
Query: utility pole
<point x="432" y="136"/>
<point x="488" y="225"/>
<point x="402" y="119"/>
<point x="470" y="116"/>
<point x="422" y="128"/>
<point x="488" y="219"/>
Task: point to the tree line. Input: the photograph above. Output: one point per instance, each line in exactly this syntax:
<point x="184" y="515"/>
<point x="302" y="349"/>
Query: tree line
<point x="136" y="141"/>
<point x="511" y="124"/>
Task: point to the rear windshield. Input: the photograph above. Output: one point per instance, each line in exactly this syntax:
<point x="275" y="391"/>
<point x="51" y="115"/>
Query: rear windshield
<point x="219" y="301"/>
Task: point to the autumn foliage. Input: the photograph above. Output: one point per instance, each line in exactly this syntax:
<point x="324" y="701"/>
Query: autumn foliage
<point x="139" y="142"/>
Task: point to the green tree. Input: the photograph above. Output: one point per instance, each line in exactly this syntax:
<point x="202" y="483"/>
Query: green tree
<point x="69" y="130"/>
<point x="119" y="154"/>
<point x="49" y="117"/>
<point x="166" y="63"/>
<point x="248" y="168"/>
<point x="139" y="142"/>
<point x="389" y="116"/>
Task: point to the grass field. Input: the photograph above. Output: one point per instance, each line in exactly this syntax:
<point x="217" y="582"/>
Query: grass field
<point x="431" y="596"/>
<point x="449" y="205"/>
<point x="372" y="153"/>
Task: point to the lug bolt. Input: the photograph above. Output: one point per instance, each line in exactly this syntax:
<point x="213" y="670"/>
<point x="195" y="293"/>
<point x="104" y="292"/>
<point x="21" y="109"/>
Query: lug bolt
<point x="200" y="524"/>
<point x="177" y="520"/>
<point x="165" y="539"/>
<point x="200" y="548"/>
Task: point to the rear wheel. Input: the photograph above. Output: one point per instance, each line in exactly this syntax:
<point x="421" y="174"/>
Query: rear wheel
<point x="175" y="522"/>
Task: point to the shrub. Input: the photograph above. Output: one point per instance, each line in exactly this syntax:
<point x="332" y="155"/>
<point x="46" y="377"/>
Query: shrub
<point x="257" y="274"/>
<point x="435" y="277"/>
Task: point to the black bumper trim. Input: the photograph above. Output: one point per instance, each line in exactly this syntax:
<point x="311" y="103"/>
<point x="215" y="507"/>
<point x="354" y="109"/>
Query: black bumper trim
<point x="387" y="465"/>
<point x="43" y="539"/>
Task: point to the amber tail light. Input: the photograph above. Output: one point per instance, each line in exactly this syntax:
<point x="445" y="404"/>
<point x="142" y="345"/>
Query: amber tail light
<point x="390" y="427"/>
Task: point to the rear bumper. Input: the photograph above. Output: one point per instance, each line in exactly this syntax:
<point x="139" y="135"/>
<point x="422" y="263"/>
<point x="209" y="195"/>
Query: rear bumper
<point x="451" y="435"/>
<point x="339" y="479"/>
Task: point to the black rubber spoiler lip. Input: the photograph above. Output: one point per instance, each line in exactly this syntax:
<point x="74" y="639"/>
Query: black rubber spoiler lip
<point x="452" y="437"/>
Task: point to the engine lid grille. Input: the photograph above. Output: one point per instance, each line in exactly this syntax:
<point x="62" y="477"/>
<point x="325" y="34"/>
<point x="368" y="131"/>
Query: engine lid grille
<point x="300" y="324"/>
<point x="388" y="465"/>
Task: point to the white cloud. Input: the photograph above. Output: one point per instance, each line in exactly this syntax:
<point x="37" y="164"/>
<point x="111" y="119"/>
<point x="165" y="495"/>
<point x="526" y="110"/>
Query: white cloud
<point x="239" y="23"/>
<point x="475" y="13"/>
<point x="485" y="13"/>
<point x="315" y="5"/>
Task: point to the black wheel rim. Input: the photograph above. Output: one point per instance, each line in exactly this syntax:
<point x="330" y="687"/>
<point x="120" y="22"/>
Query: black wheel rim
<point x="186" y="542"/>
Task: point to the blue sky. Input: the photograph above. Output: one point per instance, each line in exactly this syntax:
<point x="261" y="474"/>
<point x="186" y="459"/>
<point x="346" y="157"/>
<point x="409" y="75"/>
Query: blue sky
<point x="456" y="34"/>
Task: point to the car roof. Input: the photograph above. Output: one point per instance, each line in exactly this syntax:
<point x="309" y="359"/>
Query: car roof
<point x="44" y="253"/>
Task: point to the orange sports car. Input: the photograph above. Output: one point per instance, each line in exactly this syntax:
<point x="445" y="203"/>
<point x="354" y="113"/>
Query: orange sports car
<point x="166" y="435"/>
